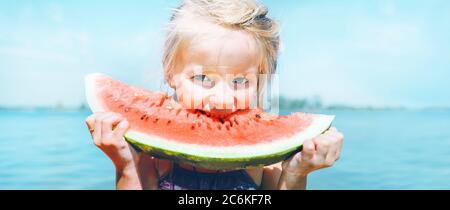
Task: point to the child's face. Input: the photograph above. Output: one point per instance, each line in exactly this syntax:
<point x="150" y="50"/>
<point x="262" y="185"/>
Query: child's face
<point x="218" y="71"/>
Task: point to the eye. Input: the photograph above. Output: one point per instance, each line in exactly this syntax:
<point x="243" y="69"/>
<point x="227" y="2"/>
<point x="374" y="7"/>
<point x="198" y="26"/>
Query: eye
<point x="200" y="77"/>
<point x="240" y="82"/>
<point x="203" y="80"/>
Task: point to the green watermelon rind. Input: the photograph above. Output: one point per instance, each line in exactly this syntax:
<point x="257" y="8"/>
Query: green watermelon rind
<point x="222" y="163"/>
<point x="214" y="163"/>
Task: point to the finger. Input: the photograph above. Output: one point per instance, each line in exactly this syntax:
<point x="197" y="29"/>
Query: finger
<point x="308" y="151"/>
<point x="331" y="154"/>
<point x="338" y="152"/>
<point x="341" y="142"/>
<point x="107" y="124"/>
<point x="334" y="134"/>
<point x="121" y="128"/>
<point x="90" y="121"/>
<point x="97" y="133"/>
<point x="322" y="145"/>
<point x="331" y="130"/>
<point x="336" y="139"/>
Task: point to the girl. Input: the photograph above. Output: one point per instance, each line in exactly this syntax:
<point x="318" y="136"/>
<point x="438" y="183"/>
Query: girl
<point x="213" y="48"/>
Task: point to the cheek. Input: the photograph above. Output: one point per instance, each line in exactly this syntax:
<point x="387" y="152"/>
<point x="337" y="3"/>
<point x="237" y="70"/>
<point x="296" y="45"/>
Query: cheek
<point x="246" y="99"/>
<point x="190" y="96"/>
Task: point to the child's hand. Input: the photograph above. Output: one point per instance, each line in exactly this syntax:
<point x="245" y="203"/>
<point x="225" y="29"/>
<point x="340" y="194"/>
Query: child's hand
<point x="107" y="130"/>
<point x="320" y="152"/>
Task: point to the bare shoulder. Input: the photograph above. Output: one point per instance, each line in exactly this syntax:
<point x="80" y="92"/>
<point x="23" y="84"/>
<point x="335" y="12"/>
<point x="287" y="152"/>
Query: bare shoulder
<point x="162" y="167"/>
<point x="151" y="169"/>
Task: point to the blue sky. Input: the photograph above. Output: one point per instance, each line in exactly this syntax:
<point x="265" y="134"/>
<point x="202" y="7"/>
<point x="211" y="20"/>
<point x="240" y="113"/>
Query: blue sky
<point x="379" y="53"/>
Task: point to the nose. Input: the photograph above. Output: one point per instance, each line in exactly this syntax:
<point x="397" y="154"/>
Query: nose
<point x="223" y="98"/>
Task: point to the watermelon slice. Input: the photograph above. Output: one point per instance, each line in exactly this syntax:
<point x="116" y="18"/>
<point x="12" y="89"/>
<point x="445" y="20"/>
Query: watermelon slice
<point x="160" y="127"/>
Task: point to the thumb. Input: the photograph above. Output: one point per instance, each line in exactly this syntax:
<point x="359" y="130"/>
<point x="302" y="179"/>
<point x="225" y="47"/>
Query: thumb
<point x="121" y="128"/>
<point x="308" y="150"/>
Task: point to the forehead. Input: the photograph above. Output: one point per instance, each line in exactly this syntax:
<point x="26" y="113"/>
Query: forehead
<point x="221" y="48"/>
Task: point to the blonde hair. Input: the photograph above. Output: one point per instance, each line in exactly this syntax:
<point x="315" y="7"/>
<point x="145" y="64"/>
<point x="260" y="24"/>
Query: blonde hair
<point x="247" y="15"/>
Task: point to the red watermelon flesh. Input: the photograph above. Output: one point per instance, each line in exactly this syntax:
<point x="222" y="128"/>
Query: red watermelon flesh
<point x="161" y="127"/>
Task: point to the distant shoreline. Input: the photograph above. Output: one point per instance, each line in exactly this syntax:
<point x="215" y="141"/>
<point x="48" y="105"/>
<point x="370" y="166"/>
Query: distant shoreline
<point x="287" y="104"/>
